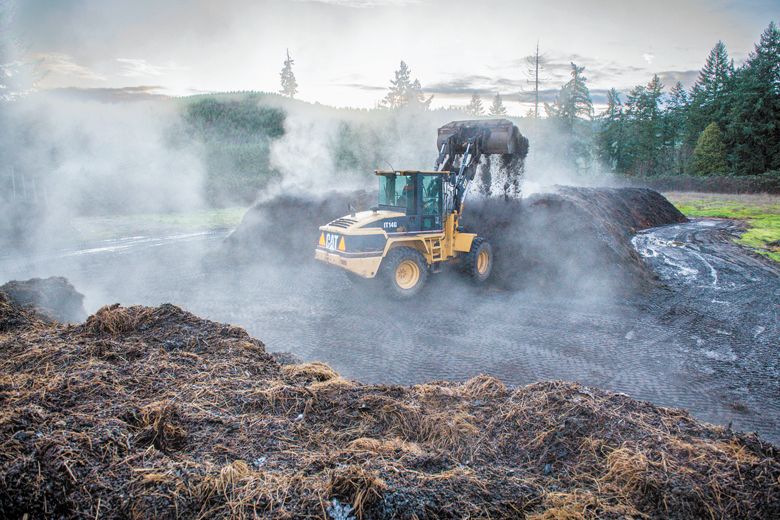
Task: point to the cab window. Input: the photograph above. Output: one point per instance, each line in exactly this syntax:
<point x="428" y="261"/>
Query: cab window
<point x="431" y="194"/>
<point x="397" y="191"/>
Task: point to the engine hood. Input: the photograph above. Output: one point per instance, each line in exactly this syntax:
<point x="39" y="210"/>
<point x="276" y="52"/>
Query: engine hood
<point x="360" y="222"/>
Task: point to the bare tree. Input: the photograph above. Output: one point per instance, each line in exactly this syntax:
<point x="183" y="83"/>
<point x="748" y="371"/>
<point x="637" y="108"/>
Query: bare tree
<point x="536" y="63"/>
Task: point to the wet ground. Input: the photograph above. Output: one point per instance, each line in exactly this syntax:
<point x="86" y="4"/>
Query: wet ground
<point x="707" y="339"/>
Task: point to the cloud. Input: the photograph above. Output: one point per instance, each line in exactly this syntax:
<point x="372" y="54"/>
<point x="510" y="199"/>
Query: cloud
<point x="65" y="65"/>
<point x="112" y="95"/>
<point x="556" y="70"/>
<point x="137" y="68"/>
<point x="648" y="57"/>
<point x="361" y="86"/>
<point x="686" y="77"/>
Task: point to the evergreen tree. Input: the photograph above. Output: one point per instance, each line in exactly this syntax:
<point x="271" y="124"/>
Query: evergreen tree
<point x="572" y="111"/>
<point x="675" y="119"/>
<point x="709" y="156"/>
<point x="497" y="108"/>
<point x="475" y="107"/>
<point x="404" y="92"/>
<point x="651" y="131"/>
<point x="289" y="85"/>
<point x="610" y="134"/>
<point x="753" y="128"/>
<point x="644" y="129"/>
<point x="573" y="102"/>
<point x="711" y="93"/>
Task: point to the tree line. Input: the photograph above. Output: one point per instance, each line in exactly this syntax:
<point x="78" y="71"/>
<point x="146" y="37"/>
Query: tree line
<point x="728" y="123"/>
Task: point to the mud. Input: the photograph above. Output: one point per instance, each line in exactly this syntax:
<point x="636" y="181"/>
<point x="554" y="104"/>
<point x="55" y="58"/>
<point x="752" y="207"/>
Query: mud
<point x="154" y="412"/>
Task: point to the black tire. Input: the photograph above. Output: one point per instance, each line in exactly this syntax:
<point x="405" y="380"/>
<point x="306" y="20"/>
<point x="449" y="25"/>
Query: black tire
<point x="390" y="266"/>
<point x="472" y="265"/>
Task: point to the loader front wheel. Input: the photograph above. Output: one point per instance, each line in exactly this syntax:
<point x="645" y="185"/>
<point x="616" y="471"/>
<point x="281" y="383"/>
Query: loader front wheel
<point x="478" y="262"/>
<point x="404" y="271"/>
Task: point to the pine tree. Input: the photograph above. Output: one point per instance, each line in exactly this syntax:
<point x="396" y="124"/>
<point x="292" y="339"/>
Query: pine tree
<point x="416" y="97"/>
<point x="609" y="140"/>
<point x="570" y="111"/>
<point x="651" y="133"/>
<point x="711" y="93"/>
<point x="289" y="85"/>
<point x="497" y="108"/>
<point x="475" y="107"/>
<point x="709" y="156"/>
<point x="573" y="102"/>
<point x="404" y="92"/>
<point x="644" y="129"/>
<point x="753" y="128"/>
<point x="675" y="118"/>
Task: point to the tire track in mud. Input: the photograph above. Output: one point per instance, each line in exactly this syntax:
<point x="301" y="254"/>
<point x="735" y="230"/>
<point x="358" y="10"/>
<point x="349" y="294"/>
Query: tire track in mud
<point x="726" y="302"/>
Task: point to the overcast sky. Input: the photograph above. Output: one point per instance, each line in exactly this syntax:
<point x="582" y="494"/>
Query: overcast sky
<point x="345" y="51"/>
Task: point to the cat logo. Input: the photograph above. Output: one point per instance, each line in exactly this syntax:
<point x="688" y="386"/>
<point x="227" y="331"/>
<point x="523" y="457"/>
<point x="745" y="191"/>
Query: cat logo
<point x="331" y="241"/>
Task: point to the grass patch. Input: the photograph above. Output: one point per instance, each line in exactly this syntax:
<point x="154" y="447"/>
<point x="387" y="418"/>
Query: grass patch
<point x="761" y="212"/>
<point x="118" y="226"/>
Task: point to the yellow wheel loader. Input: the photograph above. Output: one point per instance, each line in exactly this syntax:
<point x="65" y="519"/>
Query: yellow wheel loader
<point x="413" y="230"/>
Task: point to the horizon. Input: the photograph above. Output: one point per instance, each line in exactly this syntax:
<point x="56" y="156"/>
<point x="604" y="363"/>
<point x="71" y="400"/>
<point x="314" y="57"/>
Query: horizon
<point x="201" y="49"/>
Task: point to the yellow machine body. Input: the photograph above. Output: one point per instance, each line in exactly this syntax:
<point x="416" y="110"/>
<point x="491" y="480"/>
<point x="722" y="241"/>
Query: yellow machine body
<point x="436" y="247"/>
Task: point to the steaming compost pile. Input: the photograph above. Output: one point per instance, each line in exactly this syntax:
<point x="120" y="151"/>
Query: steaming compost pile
<point x="152" y="412"/>
<point x="554" y="239"/>
<point x="53" y="299"/>
<point x="561" y="238"/>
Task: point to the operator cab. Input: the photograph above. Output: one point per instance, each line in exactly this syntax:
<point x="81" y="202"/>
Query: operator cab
<point x="417" y="194"/>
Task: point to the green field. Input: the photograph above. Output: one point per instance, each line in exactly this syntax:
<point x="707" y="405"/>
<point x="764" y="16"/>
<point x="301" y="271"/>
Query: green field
<point x="104" y="228"/>
<point x="760" y="212"/>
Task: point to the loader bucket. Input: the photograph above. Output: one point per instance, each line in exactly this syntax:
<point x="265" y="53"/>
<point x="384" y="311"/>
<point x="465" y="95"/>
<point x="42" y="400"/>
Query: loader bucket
<point x="498" y="136"/>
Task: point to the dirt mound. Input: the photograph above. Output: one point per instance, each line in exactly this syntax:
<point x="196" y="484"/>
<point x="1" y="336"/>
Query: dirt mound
<point x="288" y="225"/>
<point x="573" y="238"/>
<point x="153" y="412"/>
<point x="51" y="298"/>
<point x="570" y="239"/>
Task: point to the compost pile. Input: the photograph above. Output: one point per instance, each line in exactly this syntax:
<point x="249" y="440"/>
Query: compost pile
<point x="571" y="238"/>
<point x="288" y="225"/>
<point x="154" y="412"/>
<point x="53" y="299"/>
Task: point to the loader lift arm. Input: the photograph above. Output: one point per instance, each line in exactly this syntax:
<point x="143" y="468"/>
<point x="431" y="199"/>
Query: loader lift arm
<point x="463" y="143"/>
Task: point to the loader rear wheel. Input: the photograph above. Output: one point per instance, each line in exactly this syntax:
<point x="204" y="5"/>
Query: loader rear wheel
<point x="404" y="272"/>
<point x="478" y="262"/>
